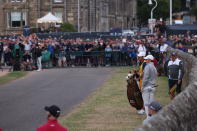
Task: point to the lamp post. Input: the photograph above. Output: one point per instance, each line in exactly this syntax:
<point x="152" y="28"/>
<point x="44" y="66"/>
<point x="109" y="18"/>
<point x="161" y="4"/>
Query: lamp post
<point x="78" y="15"/>
<point x="170" y="12"/>
<point x="151" y="23"/>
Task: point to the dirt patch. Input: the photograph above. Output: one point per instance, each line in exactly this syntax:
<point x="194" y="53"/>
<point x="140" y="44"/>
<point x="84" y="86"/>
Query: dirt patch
<point x="3" y="73"/>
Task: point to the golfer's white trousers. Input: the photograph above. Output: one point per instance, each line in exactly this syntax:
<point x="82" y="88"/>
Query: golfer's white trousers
<point x="148" y="97"/>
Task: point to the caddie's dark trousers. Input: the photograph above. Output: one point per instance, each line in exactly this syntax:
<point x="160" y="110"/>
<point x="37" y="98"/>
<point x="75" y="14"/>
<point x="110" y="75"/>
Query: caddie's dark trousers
<point x="171" y="83"/>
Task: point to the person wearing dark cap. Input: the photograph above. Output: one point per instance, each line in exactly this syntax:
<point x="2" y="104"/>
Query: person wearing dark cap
<point x="153" y="108"/>
<point x="53" y="112"/>
<point x="175" y="74"/>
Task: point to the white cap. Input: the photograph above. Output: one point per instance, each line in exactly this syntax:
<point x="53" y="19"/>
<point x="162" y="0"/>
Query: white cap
<point x="149" y="57"/>
<point x="141" y="54"/>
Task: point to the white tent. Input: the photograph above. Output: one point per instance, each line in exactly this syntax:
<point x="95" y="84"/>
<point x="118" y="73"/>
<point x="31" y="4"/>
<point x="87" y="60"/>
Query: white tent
<point x="49" y="18"/>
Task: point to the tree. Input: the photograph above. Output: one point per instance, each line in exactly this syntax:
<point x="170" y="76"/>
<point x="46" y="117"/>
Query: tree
<point x="194" y="11"/>
<point x="162" y="10"/>
<point x="67" y="27"/>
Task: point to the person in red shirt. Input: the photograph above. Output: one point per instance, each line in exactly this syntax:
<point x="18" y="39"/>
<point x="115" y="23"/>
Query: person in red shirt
<point x="53" y="112"/>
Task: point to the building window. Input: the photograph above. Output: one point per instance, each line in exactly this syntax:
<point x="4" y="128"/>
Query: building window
<point x="17" y="19"/>
<point x="57" y="1"/>
<point x="24" y="18"/>
<point x="18" y="0"/>
<point x="59" y="14"/>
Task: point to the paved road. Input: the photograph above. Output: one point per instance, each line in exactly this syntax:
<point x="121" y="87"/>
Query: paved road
<point x="22" y="101"/>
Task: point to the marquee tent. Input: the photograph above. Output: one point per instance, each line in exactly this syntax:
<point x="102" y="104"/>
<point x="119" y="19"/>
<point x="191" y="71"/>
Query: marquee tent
<point x="49" y="18"/>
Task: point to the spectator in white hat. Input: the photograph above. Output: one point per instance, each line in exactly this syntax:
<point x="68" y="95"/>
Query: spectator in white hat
<point x="149" y="82"/>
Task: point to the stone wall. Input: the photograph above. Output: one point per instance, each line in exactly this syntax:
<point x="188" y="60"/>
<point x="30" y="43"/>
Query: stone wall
<point x="181" y="113"/>
<point x="1" y="17"/>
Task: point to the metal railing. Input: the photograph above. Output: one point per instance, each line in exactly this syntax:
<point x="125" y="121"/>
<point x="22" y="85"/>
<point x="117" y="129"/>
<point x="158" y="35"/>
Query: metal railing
<point x="77" y="58"/>
<point x="100" y="58"/>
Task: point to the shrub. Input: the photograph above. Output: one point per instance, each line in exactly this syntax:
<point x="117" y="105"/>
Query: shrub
<point x="67" y="27"/>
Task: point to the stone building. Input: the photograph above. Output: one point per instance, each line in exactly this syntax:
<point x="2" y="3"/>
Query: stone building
<point x="193" y="2"/>
<point x="88" y="15"/>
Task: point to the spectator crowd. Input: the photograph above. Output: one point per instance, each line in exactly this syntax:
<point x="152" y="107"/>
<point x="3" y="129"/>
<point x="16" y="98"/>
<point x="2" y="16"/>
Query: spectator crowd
<point x="34" y="53"/>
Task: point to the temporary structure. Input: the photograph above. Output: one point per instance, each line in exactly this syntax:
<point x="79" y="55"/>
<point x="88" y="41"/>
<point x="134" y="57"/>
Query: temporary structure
<point x="49" y="18"/>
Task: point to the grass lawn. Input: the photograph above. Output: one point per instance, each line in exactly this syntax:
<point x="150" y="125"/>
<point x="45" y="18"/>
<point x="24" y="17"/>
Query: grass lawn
<point x="12" y="76"/>
<point x="108" y="108"/>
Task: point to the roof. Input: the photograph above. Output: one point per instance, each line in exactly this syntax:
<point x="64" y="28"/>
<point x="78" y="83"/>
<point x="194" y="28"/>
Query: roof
<point x="183" y="27"/>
